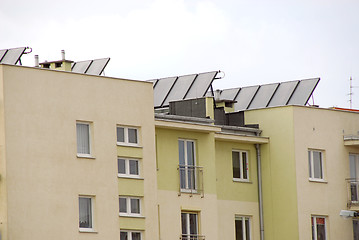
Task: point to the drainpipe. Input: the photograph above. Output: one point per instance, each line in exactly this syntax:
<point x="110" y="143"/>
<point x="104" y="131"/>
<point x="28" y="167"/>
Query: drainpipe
<point x="260" y="197"/>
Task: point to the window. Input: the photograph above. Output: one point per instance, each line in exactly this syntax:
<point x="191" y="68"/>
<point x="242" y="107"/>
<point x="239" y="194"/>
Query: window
<point x="318" y="228"/>
<point x="128" y="167"/>
<point x="85" y="213"/>
<point x="189" y="222"/>
<point x="83" y="139"/>
<point x="356" y="228"/>
<point x="127" y="135"/>
<point x="130" y="206"/>
<point x="187" y="164"/>
<point x="243" y="228"/>
<point x="130" y="235"/>
<point x="354" y="177"/>
<point x="240" y="165"/>
<point x="315" y="159"/>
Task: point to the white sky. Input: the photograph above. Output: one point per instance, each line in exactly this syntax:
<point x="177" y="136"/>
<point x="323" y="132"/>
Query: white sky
<point x="253" y="42"/>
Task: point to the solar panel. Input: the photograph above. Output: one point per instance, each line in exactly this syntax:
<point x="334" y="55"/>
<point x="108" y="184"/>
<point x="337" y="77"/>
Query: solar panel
<point x="244" y="98"/>
<point x="12" y="56"/>
<point x="81" y="67"/>
<point x="200" y="85"/>
<point x="161" y="90"/>
<point x="180" y="88"/>
<point x="263" y="96"/>
<point x="303" y="91"/>
<point x="229" y="94"/>
<point x="2" y="53"/>
<point x="282" y="94"/>
<point x="97" y="66"/>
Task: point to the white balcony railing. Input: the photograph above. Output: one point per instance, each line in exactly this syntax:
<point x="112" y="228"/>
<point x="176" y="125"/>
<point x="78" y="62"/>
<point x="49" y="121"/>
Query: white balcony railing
<point x="353" y="192"/>
<point x="192" y="237"/>
<point x="190" y="179"/>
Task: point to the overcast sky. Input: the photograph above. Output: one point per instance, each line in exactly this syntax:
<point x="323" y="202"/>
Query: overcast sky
<point x="253" y="42"/>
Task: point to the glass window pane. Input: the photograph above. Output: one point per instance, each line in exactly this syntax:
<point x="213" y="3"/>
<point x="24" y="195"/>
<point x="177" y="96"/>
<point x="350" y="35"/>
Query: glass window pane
<point x="239" y="229"/>
<point x="193" y="224"/>
<point x="120" y="134"/>
<point x="236" y="165"/>
<point x="133" y="167"/>
<point x="321" y="229"/>
<point x="310" y="163"/>
<point x="121" y="165"/>
<point x="356" y="229"/>
<point x="352" y="164"/>
<point x="184" y="223"/>
<point x="136" y="236"/>
<point x="123" y="205"/>
<point x="190" y="153"/>
<point x="317" y="164"/>
<point x="132" y="135"/>
<point x="83" y="138"/>
<point x="245" y="165"/>
<point x="135" y="205"/>
<point x="85" y="212"/>
<point x="123" y="236"/>
<point x="247" y="229"/>
<point x="181" y="152"/>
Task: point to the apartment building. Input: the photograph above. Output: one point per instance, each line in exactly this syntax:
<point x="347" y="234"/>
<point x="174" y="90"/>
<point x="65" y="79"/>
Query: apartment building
<point x="95" y="162"/>
<point x="207" y="177"/>
<point x="73" y="149"/>
<point x="309" y="171"/>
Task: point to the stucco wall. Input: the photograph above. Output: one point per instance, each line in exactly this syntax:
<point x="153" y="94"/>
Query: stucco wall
<point x="44" y="176"/>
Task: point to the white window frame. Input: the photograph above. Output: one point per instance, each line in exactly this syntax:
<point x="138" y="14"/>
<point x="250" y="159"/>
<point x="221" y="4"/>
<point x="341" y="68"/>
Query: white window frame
<point x="92" y="201"/>
<point x="311" y="165"/>
<point x="186" y="169"/>
<point x="187" y="235"/>
<point x="242" y="171"/>
<point x="89" y="124"/>
<point x="127" y="173"/>
<point x="129" y="234"/>
<point x="315" y="228"/>
<point x="126" y="136"/>
<point x="243" y="219"/>
<point x="128" y="207"/>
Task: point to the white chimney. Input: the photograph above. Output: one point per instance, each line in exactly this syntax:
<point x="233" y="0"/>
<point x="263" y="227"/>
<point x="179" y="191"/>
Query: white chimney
<point x="36" y="60"/>
<point x="63" y="54"/>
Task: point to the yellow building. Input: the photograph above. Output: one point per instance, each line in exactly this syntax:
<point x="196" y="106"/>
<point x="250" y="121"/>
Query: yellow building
<point x="309" y="172"/>
<point x="84" y="157"/>
<point x="62" y="137"/>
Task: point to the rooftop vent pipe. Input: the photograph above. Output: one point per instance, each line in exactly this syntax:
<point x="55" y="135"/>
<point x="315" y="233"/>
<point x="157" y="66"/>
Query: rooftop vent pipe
<point x="63" y="54"/>
<point x="36" y="60"/>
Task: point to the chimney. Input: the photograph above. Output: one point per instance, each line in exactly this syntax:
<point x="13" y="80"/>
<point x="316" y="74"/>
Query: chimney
<point x="36" y="60"/>
<point x="63" y="55"/>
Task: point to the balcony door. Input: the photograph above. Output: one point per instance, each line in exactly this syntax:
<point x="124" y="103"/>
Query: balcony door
<point x="354" y="177"/>
<point x="187" y="164"/>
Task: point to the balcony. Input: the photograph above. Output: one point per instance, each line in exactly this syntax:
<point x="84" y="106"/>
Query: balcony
<point x="192" y="237"/>
<point x="353" y="192"/>
<point x="191" y="181"/>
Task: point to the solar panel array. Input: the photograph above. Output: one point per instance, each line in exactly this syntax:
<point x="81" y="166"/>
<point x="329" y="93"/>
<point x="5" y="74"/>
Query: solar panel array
<point x="94" y="67"/>
<point x="12" y="55"/>
<point x="180" y="88"/>
<point x="271" y="95"/>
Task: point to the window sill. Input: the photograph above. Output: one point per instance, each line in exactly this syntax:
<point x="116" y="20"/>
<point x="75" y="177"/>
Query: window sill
<point x="130" y="216"/>
<point x="85" y="156"/>
<point x="241" y="180"/>
<point x="128" y="145"/>
<point x="87" y="230"/>
<point x="317" y="180"/>
<point x="130" y="177"/>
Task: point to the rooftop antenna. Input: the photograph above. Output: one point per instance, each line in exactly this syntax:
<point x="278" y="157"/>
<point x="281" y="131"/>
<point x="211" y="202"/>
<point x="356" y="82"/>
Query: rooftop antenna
<point x="351" y="92"/>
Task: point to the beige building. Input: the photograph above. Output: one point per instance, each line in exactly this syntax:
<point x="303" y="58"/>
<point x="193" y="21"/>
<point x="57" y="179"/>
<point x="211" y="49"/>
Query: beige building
<point x="310" y="170"/>
<point x="62" y="136"/>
